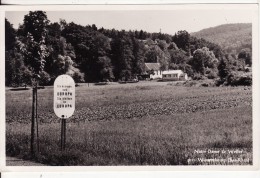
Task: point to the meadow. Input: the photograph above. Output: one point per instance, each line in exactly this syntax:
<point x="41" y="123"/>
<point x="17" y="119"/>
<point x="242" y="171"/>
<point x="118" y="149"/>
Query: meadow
<point x="145" y="123"/>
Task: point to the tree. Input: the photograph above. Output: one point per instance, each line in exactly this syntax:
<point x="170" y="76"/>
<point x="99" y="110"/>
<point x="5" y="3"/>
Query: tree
<point x="246" y="54"/>
<point x="59" y="51"/>
<point x="151" y="55"/>
<point x="33" y="48"/>
<point x="98" y="59"/>
<point x="44" y="78"/>
<point x="105" y="68"/>
<point x="16" y="74"/>
<point x="10" y="35"/>
<point x="11" y="56"/>
<point x="94" y="27"/>
<point x="228" y="68"/>
<point x="35" y="23"/>
<point x="155" y="54"/>
<point x="89" y="46"/>
<point x="224" y="68"/>
<point x="182" y="40"/>
<point x="34" y="53"/>
<point x="172" y="46"/>
<point x="76" y="74"/>
<point x="203" y="59"/>
<point x="139" y="51"/>
<point x="122" y="57"/>
<point x="162" y="44"/>
<point x="178" y="56"/>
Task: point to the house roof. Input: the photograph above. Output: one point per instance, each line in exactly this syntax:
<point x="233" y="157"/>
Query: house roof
<point x="152" y="66"/>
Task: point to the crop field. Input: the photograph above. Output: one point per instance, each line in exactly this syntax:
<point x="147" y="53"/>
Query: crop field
<point x="145" y="123"/>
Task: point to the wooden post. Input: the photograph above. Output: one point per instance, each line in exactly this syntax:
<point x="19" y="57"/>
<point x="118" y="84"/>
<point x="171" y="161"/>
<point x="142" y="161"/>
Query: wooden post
<point x="63" y="134"/>
<point x="33" y="123"/>
<point x="64" y="142"/>
<point x="61" y="139"/>
<point x="36" y="115"/>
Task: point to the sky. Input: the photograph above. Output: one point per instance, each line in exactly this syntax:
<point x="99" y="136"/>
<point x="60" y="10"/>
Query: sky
<point x="169" y="21"/>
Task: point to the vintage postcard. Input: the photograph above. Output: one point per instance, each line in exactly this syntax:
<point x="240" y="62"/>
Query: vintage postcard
<point x="130" y="87"/>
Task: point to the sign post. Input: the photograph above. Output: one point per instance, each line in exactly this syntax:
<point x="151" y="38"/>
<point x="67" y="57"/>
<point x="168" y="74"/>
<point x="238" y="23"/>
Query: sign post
<point x="64" y="102"/>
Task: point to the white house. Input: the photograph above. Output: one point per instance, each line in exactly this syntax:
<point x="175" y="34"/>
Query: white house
<point x="174" y="75"/>
<point x="153" y="69"/>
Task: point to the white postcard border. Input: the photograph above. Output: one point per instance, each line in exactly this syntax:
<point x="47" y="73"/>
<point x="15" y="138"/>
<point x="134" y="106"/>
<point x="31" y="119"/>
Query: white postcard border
<point x="256" y="88"/>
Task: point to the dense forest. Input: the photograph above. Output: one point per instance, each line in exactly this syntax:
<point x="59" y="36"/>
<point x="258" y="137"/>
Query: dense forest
<point x="39" y="48"/>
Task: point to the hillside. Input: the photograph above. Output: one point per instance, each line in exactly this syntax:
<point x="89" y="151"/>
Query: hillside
<point x="231" y="37"/>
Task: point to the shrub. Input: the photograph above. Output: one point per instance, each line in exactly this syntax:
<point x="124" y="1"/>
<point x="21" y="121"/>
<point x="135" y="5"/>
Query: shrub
<point x="208" y="84"/>
<point x="78" y="77"/>
<point x="235" y="79"/>
<point x="212" y="75"/>
<point x="198" y="76"/>
<point x="190" y="83"/>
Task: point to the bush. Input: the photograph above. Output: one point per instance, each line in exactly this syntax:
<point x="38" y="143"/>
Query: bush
<point x="190" y="83"/>
<point x="235" y="79"/>
<point x="219" y="82"/>
<point x="212" y="75"/>
<point x="198" y="76"/>
<point x="78" y="77"/>
<point x="209" y="83"/>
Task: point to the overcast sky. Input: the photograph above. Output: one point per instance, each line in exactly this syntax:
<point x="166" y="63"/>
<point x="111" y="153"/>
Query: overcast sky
<point x="169" y="21"/>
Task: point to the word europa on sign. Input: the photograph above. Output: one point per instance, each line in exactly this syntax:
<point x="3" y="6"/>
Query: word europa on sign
<point x="64" y="96"/>
<point x="64" y="93"/>
<point x="64" y="106"/>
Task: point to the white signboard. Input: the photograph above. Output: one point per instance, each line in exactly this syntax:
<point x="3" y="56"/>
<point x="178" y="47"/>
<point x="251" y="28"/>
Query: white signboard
<point x="64" y="96"/>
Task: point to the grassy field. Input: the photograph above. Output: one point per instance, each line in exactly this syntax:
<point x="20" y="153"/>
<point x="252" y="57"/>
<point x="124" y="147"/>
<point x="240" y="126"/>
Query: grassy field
<point x="146" y="123"/>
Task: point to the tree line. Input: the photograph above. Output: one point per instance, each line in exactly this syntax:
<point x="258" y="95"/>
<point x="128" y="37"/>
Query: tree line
<point x="90" y="54"/>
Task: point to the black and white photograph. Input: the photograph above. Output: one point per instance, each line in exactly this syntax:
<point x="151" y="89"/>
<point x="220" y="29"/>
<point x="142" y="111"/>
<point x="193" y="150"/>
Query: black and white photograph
<point x="131" y="85"/>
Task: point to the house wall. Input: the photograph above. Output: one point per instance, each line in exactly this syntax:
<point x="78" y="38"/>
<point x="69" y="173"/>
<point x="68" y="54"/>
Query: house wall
<point x="170" y="76"/>
<point x="175" y="76"/>
<point x="157" y="75"/>
<point x="185" y="77"/>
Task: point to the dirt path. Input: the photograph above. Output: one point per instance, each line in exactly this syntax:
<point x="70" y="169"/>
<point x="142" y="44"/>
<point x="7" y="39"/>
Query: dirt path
<point x="12" y="161"/>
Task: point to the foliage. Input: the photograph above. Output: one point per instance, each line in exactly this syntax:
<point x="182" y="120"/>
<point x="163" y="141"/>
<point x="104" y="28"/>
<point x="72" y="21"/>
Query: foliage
<point x="105" y="67"/>
<point x="90" y="54"/>
<point x="203" y="60"/>
<point x="236" y="79"/>
<point x="182" y="39"/>
<point x="224" y="68"/>
<point x="122" y="57"/>
<point x="17" y="72"/>
<point x="32" y="41"/>
<point x="232" y="71"/>
<point x="246" y="55"/>
<point x="90" y="48"/>
<point x="139" y="52"/>
<point x="35" y="23"/>
<point x="198" y="43"/>
<point x="10" y="35"/>
<point x="44" y="78"/>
